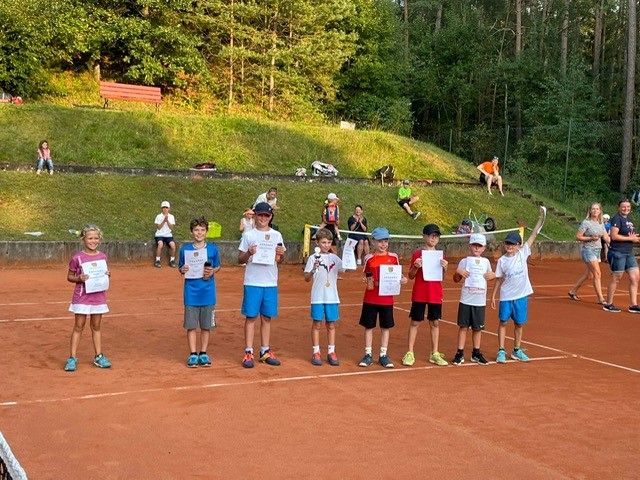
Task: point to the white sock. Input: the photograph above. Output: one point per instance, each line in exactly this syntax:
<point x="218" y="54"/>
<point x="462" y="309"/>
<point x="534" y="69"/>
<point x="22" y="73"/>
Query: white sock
<point x="172" y="259"/>
<point x="367" y="350"/>
<point x="316" y="349"/>
<point x="157" y="259"/>
<point x="248" y="349"/>
<point x="331" y="348"/>
<point x="383" y="351"/>
<point x="263" y="349"/>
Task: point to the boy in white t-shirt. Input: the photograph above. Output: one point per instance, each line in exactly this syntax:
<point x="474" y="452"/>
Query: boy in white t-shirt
<point x="165" y="222"/>
<point x="261" y="249"/>
<point x="476" y="271"/>
<point x="323" y="268"/>
<point x="512" y="273"/>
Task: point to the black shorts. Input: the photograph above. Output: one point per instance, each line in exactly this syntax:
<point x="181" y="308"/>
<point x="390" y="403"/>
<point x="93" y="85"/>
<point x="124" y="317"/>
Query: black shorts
<point x="357" y="237"/>
<point x="332" y="228"/>
<point x="370" y="314"/>
<point x="166" y="240"/>
<point x="471" y="316"/>
<point x="434" y="311"/>
<point x="403" y="201"/>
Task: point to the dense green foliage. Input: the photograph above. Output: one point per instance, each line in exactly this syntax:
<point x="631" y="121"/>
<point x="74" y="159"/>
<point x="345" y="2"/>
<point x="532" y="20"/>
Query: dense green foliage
<point x="456" y="72"/>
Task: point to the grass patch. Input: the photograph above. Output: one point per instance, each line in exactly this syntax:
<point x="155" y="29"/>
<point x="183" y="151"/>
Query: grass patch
<point x="125" y="207"/>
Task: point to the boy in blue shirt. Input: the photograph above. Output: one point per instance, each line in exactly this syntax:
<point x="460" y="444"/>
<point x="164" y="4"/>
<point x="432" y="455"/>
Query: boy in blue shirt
<point x="198" y="262"/>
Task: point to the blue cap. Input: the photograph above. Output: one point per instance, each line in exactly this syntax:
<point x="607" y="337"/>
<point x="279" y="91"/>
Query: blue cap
<point x="513" y="238"/>
<point x="380" y="233"/>
<point x="262" y="207"/>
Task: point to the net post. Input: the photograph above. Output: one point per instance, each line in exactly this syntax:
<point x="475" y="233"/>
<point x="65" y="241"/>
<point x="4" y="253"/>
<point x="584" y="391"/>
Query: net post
<point x="306" y="241"/>
<point x="521" y="232"/>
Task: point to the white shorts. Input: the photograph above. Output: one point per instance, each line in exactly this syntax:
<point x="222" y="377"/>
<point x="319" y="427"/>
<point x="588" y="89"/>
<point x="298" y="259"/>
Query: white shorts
<point x="88" y="309"/>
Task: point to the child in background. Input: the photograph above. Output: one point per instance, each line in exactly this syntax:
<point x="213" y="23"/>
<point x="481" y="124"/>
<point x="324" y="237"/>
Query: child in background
<point x="425" y="295"/>
<point x="406" y="199"/>
<point x="44" y="158"/>
<point x="199" y="293"/>
<point x="512" y="273"/>
<point x="165" y="222"/>
<point x="375" y="305"/>
<point x="323" y="268"/>
<point x="246" y="222"/>
<point x="331" y="219"/>
<point x="87" y="305"/>
<point x="476" y="271"/>
<point x="260" y="282"/>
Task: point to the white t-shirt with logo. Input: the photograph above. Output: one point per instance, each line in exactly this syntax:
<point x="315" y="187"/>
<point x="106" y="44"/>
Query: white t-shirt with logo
<point x="514" y="269"/>
<point x="165" y="231"/>
<point x="474" y="295"/>
<point x="325" y="281"/>
<point x="256" y="274"/>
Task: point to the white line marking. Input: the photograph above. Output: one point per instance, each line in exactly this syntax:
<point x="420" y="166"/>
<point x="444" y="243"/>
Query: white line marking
<point x="252" y="382"/>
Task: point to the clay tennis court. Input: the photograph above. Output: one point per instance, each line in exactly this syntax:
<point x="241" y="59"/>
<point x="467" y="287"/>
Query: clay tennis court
<point x="572" y="412"/>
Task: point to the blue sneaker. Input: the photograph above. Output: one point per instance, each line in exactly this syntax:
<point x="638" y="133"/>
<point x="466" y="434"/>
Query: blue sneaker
<point x="192" y="361"/>
<point x="71" y="365"/>
<point x="247" y="361"/>
<point x="316" y="359"/>
<point x="366" y="360"/>
<point x="101" y="361"/>
<point x="518" y="354"/>
<point x="502" y="356"/>
<point x="385" y="361"/>
<point x="204" y="360"/>
<point x="269" y="358"/>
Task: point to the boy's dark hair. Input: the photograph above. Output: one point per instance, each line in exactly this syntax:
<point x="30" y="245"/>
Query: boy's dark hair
<point x="624" y="200"/>
<point x="199" y="222"/>
<point x="272" y="189"/>
<point x="324" y="233"/>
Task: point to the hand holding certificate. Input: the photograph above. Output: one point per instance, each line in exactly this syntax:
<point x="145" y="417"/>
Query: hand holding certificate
<point x="348" y="254"/>
<point x="98" y="276"/>
<point x="265" y="253"/>
<point x="390" y="279"/>
<point x="195" y="260"/>
<point x="432" y="265"/>
<point x="476" y="268"/>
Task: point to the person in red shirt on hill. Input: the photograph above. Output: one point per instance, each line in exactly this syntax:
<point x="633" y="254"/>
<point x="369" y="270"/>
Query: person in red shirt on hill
<point x="490" y="174"/>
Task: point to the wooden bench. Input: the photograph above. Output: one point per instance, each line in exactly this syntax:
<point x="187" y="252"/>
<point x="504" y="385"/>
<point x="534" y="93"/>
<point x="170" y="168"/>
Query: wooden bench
<point x="135" y="93"/>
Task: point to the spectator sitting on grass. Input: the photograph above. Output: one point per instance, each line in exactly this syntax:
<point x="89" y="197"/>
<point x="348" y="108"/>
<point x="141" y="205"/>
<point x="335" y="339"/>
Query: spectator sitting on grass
<point x="405" y="199"/>
<point x="490" y="174"/>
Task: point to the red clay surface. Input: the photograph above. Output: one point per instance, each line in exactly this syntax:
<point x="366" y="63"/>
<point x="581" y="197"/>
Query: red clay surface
<point x="571" y="413"/>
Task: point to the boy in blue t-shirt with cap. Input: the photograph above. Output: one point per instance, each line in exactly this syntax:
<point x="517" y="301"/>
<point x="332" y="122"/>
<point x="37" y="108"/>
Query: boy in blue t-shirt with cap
<point x="200" y="291"/>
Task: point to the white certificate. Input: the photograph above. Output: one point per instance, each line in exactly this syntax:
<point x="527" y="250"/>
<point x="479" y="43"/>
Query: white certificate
<point x="348" y="254"/>
<point x="390" y="276"/>
<point x="431" y="266"/>
<point x="265" y="253"/>
<point x="476" y="268"/>
<point x="98" y="280"/>
<point x="195" y="259"/>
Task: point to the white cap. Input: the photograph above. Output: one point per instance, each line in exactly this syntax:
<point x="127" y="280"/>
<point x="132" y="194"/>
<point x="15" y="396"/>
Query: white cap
<point x="165" y="204"/>
<point x="606" y="215"/>
<point x="332" y="196"/>
<point x="477" y="238"/>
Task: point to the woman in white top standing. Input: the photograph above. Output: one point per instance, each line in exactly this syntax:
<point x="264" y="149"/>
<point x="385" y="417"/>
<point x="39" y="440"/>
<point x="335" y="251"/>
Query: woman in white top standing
<point x="591" y="232"/>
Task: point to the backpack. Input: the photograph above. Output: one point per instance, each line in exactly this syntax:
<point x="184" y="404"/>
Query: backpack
<point x="331" y="213"/>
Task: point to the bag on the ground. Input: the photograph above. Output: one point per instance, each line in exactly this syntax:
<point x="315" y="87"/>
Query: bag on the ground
<point x="321" y="169"/>
<point x="385" y="174"/>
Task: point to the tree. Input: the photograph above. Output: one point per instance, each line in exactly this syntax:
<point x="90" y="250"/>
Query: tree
<point x="627" y="138"/>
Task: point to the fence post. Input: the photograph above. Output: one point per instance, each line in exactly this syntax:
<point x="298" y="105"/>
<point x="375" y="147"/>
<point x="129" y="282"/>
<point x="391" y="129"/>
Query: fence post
<point x="506" y="149"/>
<point x="566" y="163"/>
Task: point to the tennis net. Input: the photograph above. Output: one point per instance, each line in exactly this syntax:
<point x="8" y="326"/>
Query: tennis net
<point x="10" y="469"/>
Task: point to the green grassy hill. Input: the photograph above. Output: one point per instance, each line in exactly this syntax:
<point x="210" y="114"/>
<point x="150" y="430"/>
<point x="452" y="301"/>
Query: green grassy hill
<point x="126" y="206"/>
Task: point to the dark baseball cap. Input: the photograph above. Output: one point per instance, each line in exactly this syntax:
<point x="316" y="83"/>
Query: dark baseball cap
<point x="513" y="238"/>
<point x="430" y="229"/>
<point x="263" y="207"/>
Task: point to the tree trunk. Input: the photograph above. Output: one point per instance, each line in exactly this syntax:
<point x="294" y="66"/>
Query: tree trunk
<point x="627" y="138"/>
<point x="597" y="41"/>
<point x="439" y="18"/>
<point x="564" y="48"/>
<point x="231" y="46"/>
<point x="518" y="27"/>
<point x="406" y="29"/>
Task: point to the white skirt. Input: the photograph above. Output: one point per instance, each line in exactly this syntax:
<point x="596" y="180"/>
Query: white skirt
<point x="88" y="309"/>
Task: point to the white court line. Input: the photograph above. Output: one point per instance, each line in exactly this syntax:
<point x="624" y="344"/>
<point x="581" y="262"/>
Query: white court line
<point x="546" y="347"/>
<point x="251" y="382"/>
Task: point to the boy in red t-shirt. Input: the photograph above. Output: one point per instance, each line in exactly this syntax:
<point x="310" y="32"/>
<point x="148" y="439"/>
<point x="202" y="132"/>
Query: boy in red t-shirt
<point x="425" y="296"/>
<point x="374" y="304"/>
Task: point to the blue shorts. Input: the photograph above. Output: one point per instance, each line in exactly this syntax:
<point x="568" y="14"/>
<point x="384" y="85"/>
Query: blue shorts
<point x="590" y="254"/>
<point x="518" y="310"/>
<point x="325" y="311"/>
<point x="260" y="301"/>
<point x="621" y="262"/>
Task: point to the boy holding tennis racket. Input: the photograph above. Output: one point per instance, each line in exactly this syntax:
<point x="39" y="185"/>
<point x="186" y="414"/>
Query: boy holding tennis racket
<point x="512" y="273"/>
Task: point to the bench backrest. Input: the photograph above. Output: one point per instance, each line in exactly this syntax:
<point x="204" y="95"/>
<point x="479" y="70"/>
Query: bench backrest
<point x="124" y="91"/>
